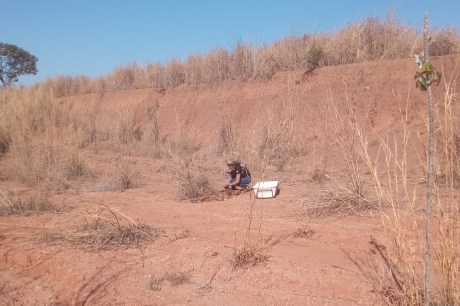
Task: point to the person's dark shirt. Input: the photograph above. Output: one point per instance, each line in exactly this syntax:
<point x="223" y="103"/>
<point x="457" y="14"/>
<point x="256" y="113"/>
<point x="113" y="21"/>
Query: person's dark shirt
<point x="240" y="169"/>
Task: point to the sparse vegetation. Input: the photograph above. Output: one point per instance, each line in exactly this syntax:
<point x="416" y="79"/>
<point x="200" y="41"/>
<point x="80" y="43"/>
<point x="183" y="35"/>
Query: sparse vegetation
<point x="192" y="183"/>
<point x="248" y="254"/>
<point x="368" y="40"/>
<point x="105" y="229"/>
<point x="401" y="282"/>
<point x="173" y="276"/>
<point x="304" y="231"/>
<point x="12" y="204"/>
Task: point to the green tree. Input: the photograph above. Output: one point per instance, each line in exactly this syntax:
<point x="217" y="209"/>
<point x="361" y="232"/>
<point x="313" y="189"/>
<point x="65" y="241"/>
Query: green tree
<point x="15" y="61"/>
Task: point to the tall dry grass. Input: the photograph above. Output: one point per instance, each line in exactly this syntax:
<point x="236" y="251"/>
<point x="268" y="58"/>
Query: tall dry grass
<point x="368" y="40"/>
<point x="400" y="185"/>
<point x="42" y="139"/>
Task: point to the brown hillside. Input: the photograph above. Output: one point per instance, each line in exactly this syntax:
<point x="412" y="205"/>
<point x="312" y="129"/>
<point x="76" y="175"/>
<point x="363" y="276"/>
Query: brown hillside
<point x="376" y="90"/>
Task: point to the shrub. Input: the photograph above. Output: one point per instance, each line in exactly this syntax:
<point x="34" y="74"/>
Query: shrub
<point x="248" y="254"/>
<point x="314" y="56"/>
<point x="11" y="204"/>
<point x="192" y="183"/>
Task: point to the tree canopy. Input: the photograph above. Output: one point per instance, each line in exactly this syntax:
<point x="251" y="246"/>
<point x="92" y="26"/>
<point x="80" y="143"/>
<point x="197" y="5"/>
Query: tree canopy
<point x="14" y="62"/>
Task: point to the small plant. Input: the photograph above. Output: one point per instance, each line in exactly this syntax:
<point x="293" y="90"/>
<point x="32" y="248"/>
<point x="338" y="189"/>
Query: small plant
<point x="319" y="176"/>
<point x="174" y="277"/>
<point x="177" y="278"/>
<point x="122" y="176"/>
<point x="314" y="56"/>
<point x="304" y="231"/>
<point x="427" y="76"/>
<point x="192" y="184"/>
<point x="248" y="254"/>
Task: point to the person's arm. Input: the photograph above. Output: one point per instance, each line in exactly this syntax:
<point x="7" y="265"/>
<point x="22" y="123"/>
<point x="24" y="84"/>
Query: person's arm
<point x="237" y="180"/>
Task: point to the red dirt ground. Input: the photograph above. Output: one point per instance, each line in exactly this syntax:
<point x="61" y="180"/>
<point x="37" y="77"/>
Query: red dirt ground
<point x="199" y="238"/>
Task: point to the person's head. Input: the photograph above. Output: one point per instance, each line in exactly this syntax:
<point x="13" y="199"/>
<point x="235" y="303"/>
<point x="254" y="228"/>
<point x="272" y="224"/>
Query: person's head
<point x="231" y="164"/>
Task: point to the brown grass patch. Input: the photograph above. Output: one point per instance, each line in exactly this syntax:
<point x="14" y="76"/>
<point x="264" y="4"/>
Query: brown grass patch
<point x="248" y="254"/>
<point x="106" y="229"/>
<point x="304" y="231"/>
<point x="191" y="183"/>
<point x="174" y="277"/>
<point x="340" y="202"/>
<point x="12" y="204"/>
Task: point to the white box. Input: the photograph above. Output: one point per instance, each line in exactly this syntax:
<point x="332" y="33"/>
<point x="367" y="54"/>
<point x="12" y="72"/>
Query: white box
<point x="264" y="190"/>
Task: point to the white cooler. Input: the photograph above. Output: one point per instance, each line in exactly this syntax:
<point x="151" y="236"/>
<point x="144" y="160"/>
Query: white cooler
<point x="264" y="190"/>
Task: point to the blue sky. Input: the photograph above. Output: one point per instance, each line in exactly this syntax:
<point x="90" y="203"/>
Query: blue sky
<point x="92" y="37"/>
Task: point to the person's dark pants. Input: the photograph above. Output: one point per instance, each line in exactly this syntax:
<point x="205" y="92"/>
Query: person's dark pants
<point x="243" y="181"/>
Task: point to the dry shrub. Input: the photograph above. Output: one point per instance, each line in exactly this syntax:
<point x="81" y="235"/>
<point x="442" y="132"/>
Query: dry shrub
<point x="228" y="136"/>
<point x="192" y="183"/>
<point x="122" y="174"/>
<point x="11" y="204"/>
<point x="174" y="73"/>
<point x="90" y="126"/>
<point x="127" y="129"/>
<point x="248" y="254"/>
<point x="340" y="202"/>
<point x="304" y="231"/>
<point x="242" y="61"/>
<point x="5" y="140"/>
<point x="65" y="86"/>
<point x="319" y="175"/>
<point x="444" y="42"/>
<point x="279" y="141"/>
<point x="152" y="144"/>
<point x="42" y="139"/>
<point x="175" y="277"/>
<point x="105" y="229"/>
<point x="126" y="77"/>
<point x="49" y="165"/>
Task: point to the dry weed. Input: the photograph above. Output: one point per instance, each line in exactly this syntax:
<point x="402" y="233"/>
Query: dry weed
<point x="304" y="231"/>
<point x="248" y="254"/>
<point x="11" y="204"/>
<point x="174" y="277"/>
<point x="339" y="202"/>
<point x="319" y="176"/>
<point x="106" y="229"/>
<point x="121" y="176"/>
<point x="192" y="183"/>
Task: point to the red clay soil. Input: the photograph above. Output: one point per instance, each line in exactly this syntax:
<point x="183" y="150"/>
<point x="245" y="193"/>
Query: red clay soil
<point x="199" y="239"/>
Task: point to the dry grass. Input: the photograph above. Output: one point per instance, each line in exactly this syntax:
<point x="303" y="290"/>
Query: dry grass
<point x="12" y="204"/>
<point x="192" y="183"/>
<point x="248" y="254"/>
<point x="401" y="280"/>
<point x="367" y="40"/>
<point x="319" y="175"/>
<point x="40" y="138"/>
<point x="304" y="231"/>
<point x="105" y="229"/>
<point x="174" y="276"/>
<point x="336" y="201"/>
<point x="122" y="174"/>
